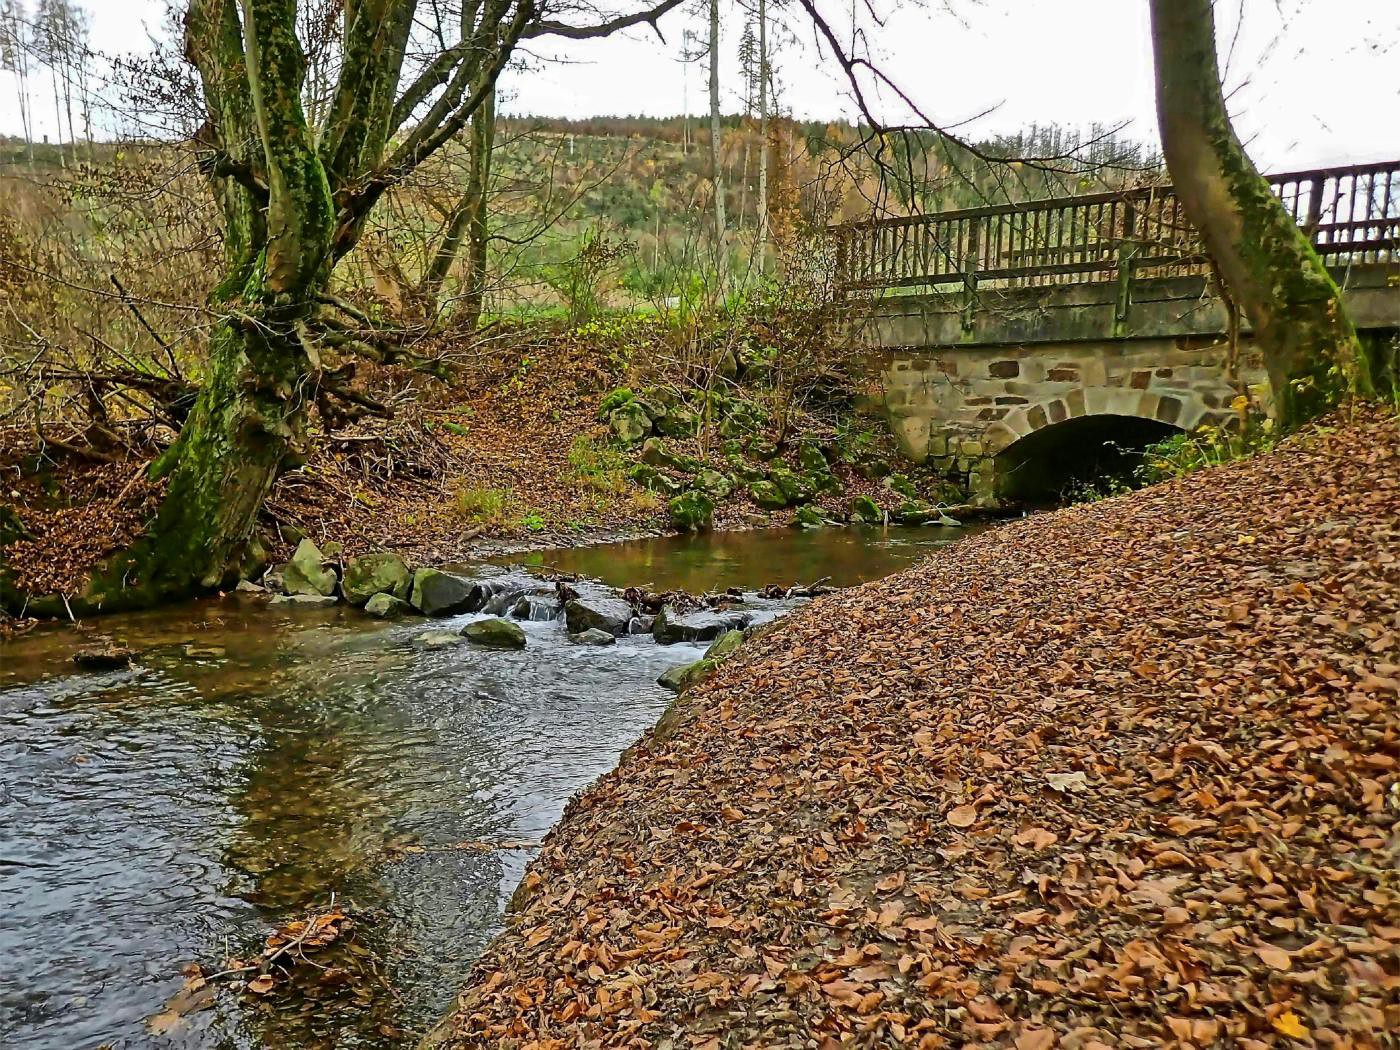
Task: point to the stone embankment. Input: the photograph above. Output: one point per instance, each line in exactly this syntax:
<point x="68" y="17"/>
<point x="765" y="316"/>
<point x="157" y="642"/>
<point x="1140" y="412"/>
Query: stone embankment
<point x="1123" y="775"/>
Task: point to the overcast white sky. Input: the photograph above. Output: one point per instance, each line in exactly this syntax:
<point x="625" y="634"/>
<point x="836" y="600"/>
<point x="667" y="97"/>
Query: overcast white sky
<point x="1315" y="81"/>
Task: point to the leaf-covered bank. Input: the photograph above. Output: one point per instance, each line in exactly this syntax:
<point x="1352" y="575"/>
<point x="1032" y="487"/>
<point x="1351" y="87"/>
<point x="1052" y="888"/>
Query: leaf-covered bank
<point x="1123" y="775"/>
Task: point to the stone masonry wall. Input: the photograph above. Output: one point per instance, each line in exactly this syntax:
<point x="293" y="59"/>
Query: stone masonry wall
<point x="959" y="407"/>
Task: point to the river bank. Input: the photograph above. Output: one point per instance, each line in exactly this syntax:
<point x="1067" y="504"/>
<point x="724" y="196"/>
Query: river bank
<point x="1126" y="774"/>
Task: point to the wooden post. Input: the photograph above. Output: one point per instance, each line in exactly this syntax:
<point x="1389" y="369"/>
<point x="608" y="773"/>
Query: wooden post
<point x="1127" y="259"/>
<point x="970" y="268"/>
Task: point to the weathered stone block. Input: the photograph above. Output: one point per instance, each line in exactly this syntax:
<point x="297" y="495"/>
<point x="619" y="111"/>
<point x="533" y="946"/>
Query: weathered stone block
<point x="1004" y="369"/>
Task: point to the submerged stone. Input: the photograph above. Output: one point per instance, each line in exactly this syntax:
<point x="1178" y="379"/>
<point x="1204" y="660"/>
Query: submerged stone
<point x="593" y="636"/>
<point x="495" y="633"/>
<point x="306" y="601"/>
<point x="438" y="640"/>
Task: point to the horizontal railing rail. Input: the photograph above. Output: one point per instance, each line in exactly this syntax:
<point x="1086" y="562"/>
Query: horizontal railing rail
<point x="1351" y="213"/>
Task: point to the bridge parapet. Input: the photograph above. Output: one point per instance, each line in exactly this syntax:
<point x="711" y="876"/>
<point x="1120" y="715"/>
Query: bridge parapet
<point x="1352" y="215"/>
<point x="998" y="323"/>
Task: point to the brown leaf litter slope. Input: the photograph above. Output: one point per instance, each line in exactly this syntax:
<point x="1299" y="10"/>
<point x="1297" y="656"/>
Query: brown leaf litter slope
<point x="1124" y="775"/>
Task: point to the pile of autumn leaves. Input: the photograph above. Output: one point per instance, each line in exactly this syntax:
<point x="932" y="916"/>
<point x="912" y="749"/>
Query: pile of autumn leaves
<point x="1124" y="775"/>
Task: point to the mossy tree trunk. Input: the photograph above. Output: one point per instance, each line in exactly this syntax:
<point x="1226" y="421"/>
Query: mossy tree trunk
<point x="1267" y="263"/>
<point x="278" y="224"/>
<point x="294" y="201"/>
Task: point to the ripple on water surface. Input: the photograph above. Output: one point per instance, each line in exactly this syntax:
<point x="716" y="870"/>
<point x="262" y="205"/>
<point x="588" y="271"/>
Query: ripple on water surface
<point x="178" y="811"/>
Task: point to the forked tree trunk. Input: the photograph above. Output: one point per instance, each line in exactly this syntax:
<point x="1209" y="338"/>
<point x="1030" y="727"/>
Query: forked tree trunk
<point x="1267" y="263"/>
<point x="250" y="416"/>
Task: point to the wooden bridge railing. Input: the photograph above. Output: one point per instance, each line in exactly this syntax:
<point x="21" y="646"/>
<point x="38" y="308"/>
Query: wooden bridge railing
<point x="1352" y="214"/>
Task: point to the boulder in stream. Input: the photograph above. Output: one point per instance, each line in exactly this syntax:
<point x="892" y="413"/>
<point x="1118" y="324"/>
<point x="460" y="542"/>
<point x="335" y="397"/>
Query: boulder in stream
<point x="495" y="633"/>
<point x="438" y="593"/>
<point x="703" y="625"/>
<point x="808" y="517"/>
<point x="593" y="636"/>
<point x="112" y="658"/>
<point x="371" y="574"/>
<point x="601" y="612"/>
<point x="303" y="575"/>
<point x="385" y="606"/>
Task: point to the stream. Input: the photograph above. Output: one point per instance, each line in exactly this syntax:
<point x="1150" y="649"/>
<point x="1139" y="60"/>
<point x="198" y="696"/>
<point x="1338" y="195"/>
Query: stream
<point x="256" y="763"/>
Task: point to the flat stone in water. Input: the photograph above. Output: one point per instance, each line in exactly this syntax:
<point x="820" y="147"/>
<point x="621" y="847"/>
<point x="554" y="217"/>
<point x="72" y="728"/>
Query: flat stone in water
<point x="593" y="636"/>
<point x="386" y="607"/>
<point x="309" y="601"/>
<point x="495" y="634"/>
<point x="438" y="640"/>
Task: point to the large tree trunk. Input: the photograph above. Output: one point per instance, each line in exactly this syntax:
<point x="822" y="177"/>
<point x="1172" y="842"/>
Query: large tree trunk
<point x="250" y="416"/>
<point x="1267" y="263"/>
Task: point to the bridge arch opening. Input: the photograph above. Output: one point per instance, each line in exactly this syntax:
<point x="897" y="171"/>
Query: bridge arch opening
<point x="1064" y="461"/>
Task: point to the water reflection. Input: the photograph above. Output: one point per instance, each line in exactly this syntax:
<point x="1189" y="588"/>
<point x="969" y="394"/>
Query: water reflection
<point x="752" y="559"/>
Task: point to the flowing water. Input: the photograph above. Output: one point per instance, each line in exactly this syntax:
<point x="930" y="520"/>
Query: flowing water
<point x="253" y="765"/>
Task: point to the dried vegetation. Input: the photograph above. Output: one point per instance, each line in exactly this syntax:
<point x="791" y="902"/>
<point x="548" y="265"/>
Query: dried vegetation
<point x="1124" y="775"/>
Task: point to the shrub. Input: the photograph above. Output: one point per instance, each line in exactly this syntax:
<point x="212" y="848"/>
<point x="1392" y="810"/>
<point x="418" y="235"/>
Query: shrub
<point x="480" y="506"/>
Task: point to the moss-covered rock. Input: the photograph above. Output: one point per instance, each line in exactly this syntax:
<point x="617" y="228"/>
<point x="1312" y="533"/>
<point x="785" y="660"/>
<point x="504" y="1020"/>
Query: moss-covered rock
<point x="866" y="511"/>
<point x="371" y="574"/>
<point x="304" y="573"/>
<point x="808" y="517"/>
<point x="724" y="645"/>
<point x="678" y="422"/>
<point x="767" y="495"/>
<point x="901" y="485"/>
<point x="495" y="633"/>
<point x="615" y="399"/>
<point x="630" y="423"/>
<point x="385" y="606"/>
<point x="656" y="453"/>
<point x="795" y="487"/>
<point x="682" y="677"/>
<point x="692" y="511"/>
<point x="714" y="483"/>
<point x="811" y="458"/>
<point x="649" y="477"/>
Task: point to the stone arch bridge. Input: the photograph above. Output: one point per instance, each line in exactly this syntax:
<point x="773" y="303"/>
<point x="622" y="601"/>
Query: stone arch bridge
<point x="1004" y="333"/>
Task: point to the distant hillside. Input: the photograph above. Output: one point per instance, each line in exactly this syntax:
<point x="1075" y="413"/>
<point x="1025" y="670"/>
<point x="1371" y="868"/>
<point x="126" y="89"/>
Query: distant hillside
<point x="635" y="188"/>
